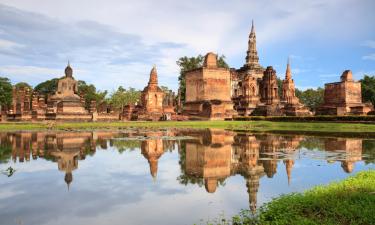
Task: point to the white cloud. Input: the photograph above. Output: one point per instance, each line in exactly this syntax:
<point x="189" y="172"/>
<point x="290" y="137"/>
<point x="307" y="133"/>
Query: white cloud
<point x="7" y="45"/>
<point x="119" y="40"/>
<point x="369" y="57"/>
<point x="369" y="43"/>
<point x="29" y="73"/>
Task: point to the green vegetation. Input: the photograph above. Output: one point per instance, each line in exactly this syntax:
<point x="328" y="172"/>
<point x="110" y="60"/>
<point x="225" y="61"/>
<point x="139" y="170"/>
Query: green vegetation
<point x="47" y="87"/>
<point x="368" y="89"/>
<point x="231" y="125"/>
<point x="354" y="118"/>
<point x="123" y="97"/>
<point x="89" y="92"/>
<point x="5" y="92"/>
<point x="23" y="85"/>
<point x="351" y="201"/>
<point x="312" y="98"/>
<point x="189" y="63"/>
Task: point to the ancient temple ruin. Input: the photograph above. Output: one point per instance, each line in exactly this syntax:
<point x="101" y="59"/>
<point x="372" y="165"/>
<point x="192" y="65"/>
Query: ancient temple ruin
<point x="66" y="104"/>
<point x="291" y="104"/>
<point x="255" y="90"/>
<point x="208" y="91"/>
<point x="246" y="80"/>
<point x="154" y="104"/>
<point x="344" y="98"/>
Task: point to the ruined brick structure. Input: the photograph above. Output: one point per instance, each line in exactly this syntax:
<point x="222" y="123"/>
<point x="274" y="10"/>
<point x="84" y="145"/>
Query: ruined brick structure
<point x="269" y="98"/>
<point x="155" y="103"/>
<point x="292" y="105"/>
<point x="208" y="91"/>
<point x="64" y="105"/>
<point x="255" y="89"/>
<point x="20" y="108"/>
<point x="343" y="98"/>
<point x="246" y="80"/>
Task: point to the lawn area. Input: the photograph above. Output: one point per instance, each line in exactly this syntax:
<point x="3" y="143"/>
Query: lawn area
<point x="351" y="201"/>
<point x="231" y="125"/>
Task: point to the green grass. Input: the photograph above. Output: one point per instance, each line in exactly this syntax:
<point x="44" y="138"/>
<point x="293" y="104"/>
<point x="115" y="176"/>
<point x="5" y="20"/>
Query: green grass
<point x="351" y="201"/>
<point x="231" y="125"/>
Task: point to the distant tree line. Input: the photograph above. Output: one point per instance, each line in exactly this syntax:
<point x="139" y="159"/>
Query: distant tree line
<point x="118" y="98"/>
<point x="121" y="97"/>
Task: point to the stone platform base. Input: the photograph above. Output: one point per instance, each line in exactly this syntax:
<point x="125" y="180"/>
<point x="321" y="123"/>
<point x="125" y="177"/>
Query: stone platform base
<point x="105" y="117"/>
<point x="296" y="110"/>
<point x="19" y="117"/>
<point x="268" y="110"/>
<point x="344" y="110"/>
<point x="73" y="117"/>
<point x="209" y="110"/>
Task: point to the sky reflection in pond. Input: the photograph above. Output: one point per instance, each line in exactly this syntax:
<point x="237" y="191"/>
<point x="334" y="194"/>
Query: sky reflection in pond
<point x="162" y="177"/>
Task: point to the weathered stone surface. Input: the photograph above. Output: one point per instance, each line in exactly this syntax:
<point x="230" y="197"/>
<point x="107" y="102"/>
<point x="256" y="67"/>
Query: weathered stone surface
<point x="255" y="90"/>
<point x="155" y="103"/>
<point x="269" y="88"/>
<point x="208" y="91"/>
<point x="292" y="105"/>
<point x="245" y="81"/>
<point x="343" y="98"/>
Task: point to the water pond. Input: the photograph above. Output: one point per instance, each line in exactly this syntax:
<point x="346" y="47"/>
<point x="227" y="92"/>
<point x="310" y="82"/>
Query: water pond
<point x="163" y="176"/>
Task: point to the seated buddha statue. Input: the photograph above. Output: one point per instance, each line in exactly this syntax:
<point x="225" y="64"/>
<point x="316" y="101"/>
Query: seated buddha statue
<point x="67" y="87"/>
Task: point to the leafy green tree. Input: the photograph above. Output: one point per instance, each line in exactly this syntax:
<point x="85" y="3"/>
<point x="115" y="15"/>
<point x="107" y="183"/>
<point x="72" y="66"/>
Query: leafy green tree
<point x="90" y="93"/>
<point x="47" y="87"/>
<point x="5" y="152"/>
<point x="221" y="62"/>
<point x="122" y="97"/>
<point x="312" y="98"/>
<point x="185" y="63"/>
<point x="5" y="92"/>
<point x="189" y="63"/>
<point x="23" y="85"/>
<point x="165" y="89"/>
<point x="280" y="87"/>
<point x="368" y="89"/>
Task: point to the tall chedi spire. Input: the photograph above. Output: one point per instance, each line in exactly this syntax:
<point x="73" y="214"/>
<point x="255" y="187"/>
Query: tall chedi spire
<point x="153" y="76"/>
<point x="252" y="58"/>
<point x="288" y="73"/>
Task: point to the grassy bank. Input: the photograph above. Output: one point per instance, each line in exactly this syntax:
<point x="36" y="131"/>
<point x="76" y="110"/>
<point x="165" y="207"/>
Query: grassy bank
<point x="351" y="201"/>
<point x="231" y="125"/>
<point x="340" y="119"/>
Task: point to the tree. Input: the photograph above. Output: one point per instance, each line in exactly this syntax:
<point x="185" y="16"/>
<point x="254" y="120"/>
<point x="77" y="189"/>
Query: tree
<point x="123" y="97"/>
<point x="368" y="89"/>
<point x="280" y="87"/>
<point x="186" y="64"/>
<point x="47" y="87"/>
<point x="21" y="85"/>
<point x="89" y="92"/>
<point x="311" y="98"/>
<point x="5" y="92"/>
<point x="221" y="62"/>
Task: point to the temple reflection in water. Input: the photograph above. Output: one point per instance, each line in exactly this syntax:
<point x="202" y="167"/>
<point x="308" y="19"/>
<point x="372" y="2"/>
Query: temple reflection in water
<point x="207" y="158"/>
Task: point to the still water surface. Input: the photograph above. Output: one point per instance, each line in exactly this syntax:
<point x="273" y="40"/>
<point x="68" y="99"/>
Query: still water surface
<point x="162" y="177"/>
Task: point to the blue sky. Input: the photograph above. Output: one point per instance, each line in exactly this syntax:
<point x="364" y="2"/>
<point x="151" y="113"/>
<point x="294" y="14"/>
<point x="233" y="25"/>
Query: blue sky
<point x="116" y="42"/>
